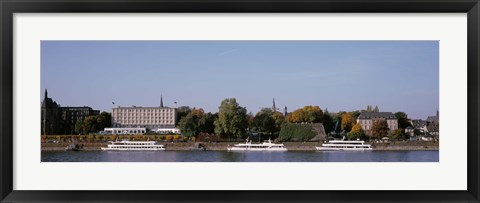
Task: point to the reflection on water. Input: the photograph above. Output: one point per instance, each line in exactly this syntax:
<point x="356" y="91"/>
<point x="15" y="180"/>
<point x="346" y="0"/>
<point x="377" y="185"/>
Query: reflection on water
<point x="224" y="156"/>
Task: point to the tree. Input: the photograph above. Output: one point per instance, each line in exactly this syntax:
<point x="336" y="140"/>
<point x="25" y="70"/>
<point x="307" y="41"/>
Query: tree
<point x="356" y="132"/>
<point x="264" y="121"/>
<point x="347" y="121"/>
<point x="355" y="114"/>
<point x="79" y="127"/>
<point x="328" y="122"/>
<point x="250" y="118"/>
<point x="399" y="134"/>
<point x="232" y="119"/>
<point x="307" y="114"/>
<point x="279" y="120"/>
<point x="197" y="121"/>
<point x="93" y="123"/>
<point x="380" y="129"/>
<point x="89" y="124"/>
<point x="206" y="123"/>
<point x="403" y="121"/>
<point x="182" y="112"/>
<point x="188" y="125"/>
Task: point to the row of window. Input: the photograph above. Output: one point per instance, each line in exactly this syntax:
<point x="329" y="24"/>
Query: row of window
<point x="138" y="117"/>
<point x="143" y="110"/>
<point x="144" y="114"/>
<point x="147" y="122"/>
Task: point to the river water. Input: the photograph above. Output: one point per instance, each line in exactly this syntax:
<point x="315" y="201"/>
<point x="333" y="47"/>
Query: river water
<point x="225" y="156"/>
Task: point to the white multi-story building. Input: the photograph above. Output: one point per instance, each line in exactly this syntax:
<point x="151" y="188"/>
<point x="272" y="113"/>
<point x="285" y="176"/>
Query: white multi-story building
<point x="366" y="119"/>
<point x="152" y="118"/>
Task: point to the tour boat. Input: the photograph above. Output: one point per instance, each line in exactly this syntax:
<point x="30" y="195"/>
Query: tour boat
<point x="126" y="145"/>
<point x="267" y="145"/>
<point x="350" y="145"/>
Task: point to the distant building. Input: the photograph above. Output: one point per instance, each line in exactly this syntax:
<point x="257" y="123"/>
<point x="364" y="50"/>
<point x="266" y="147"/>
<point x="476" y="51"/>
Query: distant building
<point x="152" y="118"/>
<point x="420" y="125"/>
<point x="58" y="120"/>
<point x="366" y="120"/>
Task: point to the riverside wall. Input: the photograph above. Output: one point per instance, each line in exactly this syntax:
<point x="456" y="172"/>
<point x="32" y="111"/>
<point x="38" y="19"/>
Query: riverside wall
<point x="222" y="146"/>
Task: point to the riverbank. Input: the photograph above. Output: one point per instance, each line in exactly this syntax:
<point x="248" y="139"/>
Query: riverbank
<point x="222" y="146"/>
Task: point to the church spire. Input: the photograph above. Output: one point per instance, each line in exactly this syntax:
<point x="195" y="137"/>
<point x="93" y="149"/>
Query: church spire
<point x="161" y="101"/>
<point x="46" y="93"/>
<point x="274" y="108"/>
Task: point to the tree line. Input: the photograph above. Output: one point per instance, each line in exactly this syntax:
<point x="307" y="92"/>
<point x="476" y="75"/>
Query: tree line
<point x="233" y="121"/>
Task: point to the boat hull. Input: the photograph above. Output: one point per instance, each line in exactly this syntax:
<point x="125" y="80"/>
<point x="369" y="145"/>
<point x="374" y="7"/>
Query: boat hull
<point x="259" y="149"/>
<point x="127" y="149"/>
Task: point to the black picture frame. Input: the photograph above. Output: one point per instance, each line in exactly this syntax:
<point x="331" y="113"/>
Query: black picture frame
<point x="10" y="7"/>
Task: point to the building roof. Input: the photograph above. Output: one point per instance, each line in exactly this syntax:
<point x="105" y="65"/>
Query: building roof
<point x="418" y="123"/>
<point x="370" y="115"/>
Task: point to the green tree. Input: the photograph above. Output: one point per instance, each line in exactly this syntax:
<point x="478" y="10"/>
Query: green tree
<point x="380" y="129"/>
<point x="328" y="122"/>
<point x="356" y="132"/>
<point x="188" y="125"/>
<point x="206" y="123"/>
<point x="232" y="119"/>
<point x="264" y="121"/>
<point x="250" y="118"/>
<point x="106" y="120"/>
<point x="279" y="120"/>
<point x="182" y="112"/>
<point x="90" y="124"/>
<point x="79" y="127"/>
<point x="399" y="134"/>
<point x="403" y="121"/>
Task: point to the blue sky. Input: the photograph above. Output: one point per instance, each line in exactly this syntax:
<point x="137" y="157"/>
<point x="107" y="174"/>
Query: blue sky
<point x="338" y="75"/>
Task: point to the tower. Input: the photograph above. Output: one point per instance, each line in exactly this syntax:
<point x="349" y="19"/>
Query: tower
<point x="46" y="93"/>
<point x="274" y="108"/>
<point x="285" y="111"/>
<point x="161" y="101"/>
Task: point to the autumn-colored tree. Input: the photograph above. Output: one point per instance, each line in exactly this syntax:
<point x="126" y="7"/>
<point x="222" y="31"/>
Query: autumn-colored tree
<point x="279" y="119"/>
<point x="347" y="121"/>
<point x="307" y="114"/>
<point x="356" y="132"/>
<point x="380" y="129"/>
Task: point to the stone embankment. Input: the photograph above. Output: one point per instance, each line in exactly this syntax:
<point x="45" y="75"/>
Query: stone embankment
<point x="417" y="145"/>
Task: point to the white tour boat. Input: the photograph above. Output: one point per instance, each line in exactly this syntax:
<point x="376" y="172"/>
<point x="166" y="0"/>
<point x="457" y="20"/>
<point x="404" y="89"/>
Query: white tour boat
<point x="267" y="145"/>
<point x="126" y="145"/>
<point x="347" y="145"/>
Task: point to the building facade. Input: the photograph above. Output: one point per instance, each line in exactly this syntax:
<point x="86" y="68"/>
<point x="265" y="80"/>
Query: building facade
<point x="57" y="120"/>
<point x="366" y="120"/>
<point x="144" y="117"/>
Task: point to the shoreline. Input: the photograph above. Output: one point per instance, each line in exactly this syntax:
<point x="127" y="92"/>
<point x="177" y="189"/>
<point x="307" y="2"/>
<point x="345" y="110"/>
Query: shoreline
<point x="222" y="146"/>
